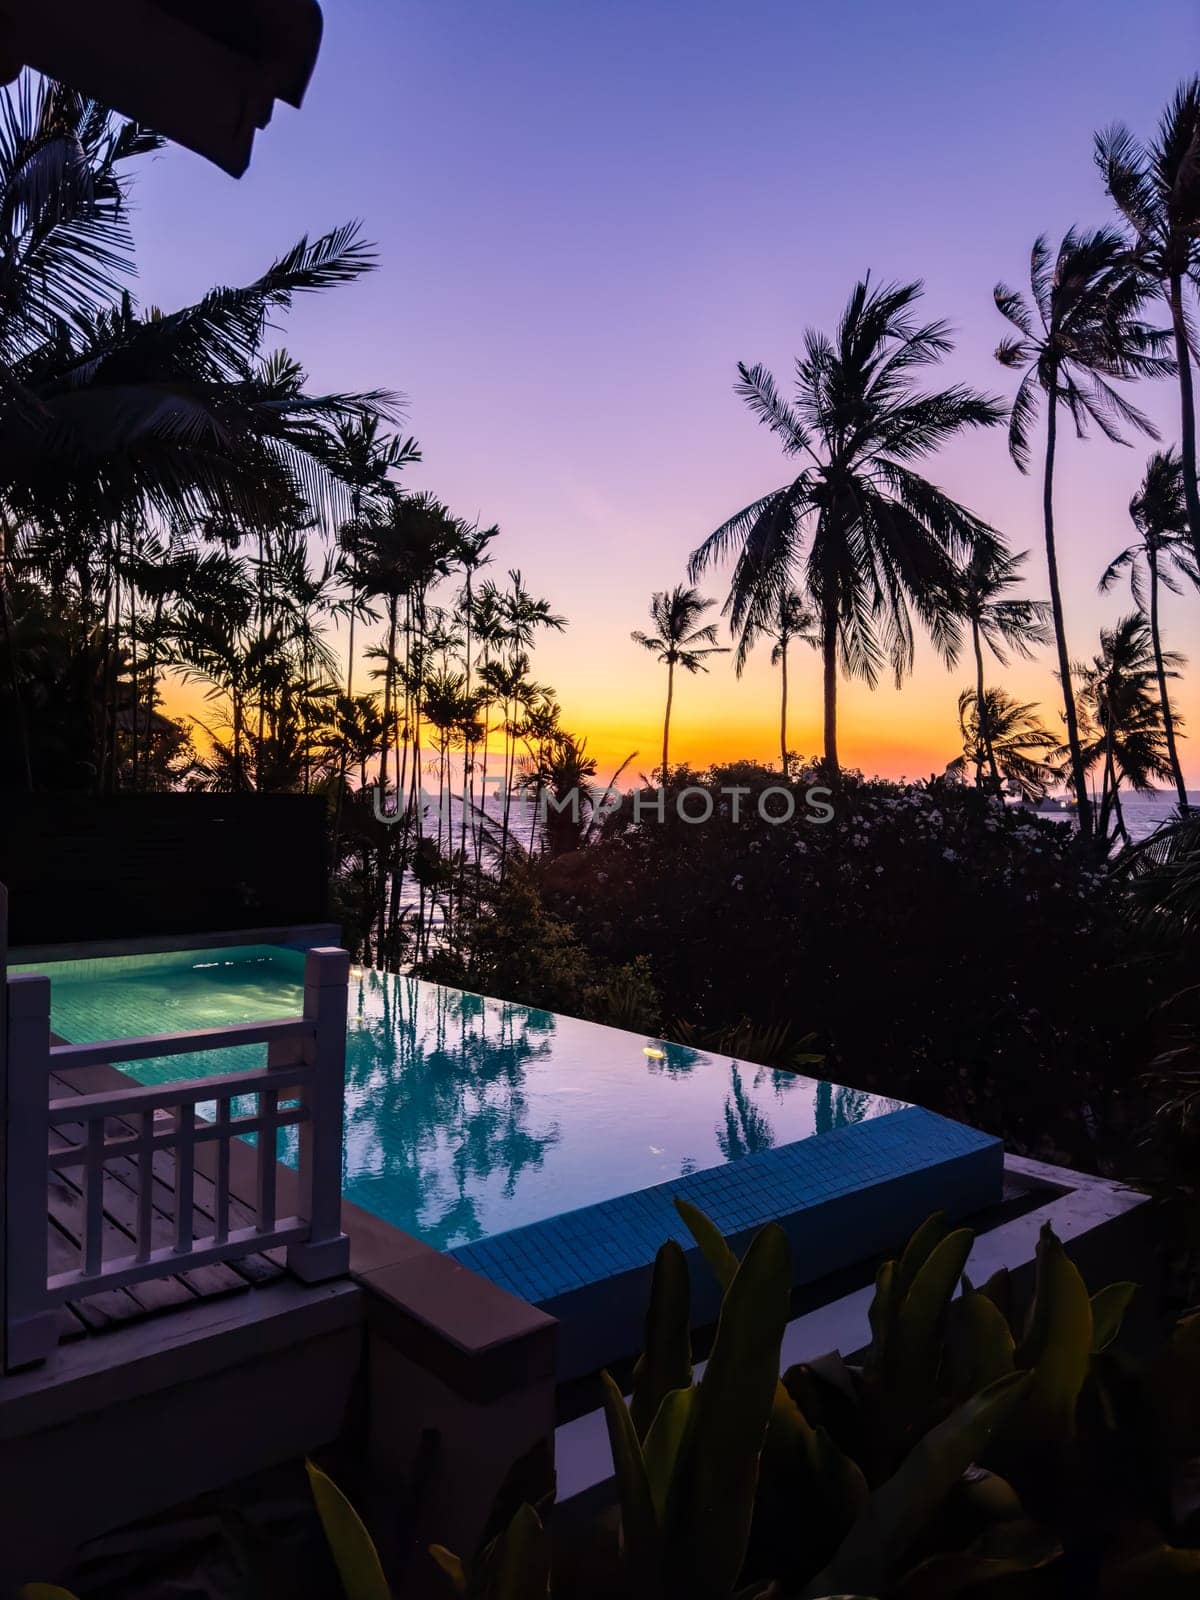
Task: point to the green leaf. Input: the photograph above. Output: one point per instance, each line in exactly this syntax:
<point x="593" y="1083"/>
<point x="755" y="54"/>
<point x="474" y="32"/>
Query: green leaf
<point x="666" y="1360"/>
<point x="1109" y="1306"/>
<point x="711" y="1502"/>
<point x="979" y="1346"/>
<point x="918" y="1251"/>
<point x="1058" y="1345"/>
<point x="44" y="1591"/>
<point x="639" y="1522"/>
<point x="518" y="1561"/>
<point x="711" y="1240"/>
<point x="451" y="1566"/>
<point x="1175" y="1382"/>
<point x="660" y="1449"/>
<point x="999" y="1290"/>
<point x="1160" y="1573"/>
<point x="902" y="1506"/>
<point x="354" y="1553"/>
<point x="881" y="1315"/>
<point x="915" y="1349"/>
<point x="1008" y="1548"/>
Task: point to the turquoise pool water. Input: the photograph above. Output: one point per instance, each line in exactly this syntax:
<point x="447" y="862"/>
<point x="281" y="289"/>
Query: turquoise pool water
<point x="466" y="1117"/>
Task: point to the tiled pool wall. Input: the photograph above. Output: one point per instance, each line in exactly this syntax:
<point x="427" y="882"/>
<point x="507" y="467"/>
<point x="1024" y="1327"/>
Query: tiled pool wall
<point x="841" y="1199"/>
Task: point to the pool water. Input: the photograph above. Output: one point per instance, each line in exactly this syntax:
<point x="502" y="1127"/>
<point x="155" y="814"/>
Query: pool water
<point x="465" y="1117"/>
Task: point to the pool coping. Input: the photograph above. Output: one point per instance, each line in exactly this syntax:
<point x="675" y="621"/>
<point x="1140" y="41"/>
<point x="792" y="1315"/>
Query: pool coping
<point x="316" y="933"/>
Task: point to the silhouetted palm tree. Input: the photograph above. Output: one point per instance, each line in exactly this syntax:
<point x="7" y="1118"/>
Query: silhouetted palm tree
<point x="1156" y="188"/>
<point x="1081" y="331"/>
<point x="791" y="620"/>
<point x="1159" y="513"/>
<point x="1012" y="738"/>
<point x="679" y="640"/>
<point x="1119" y="693"/>
<point x="999" y="621"/>
<point x="885" y="540"/>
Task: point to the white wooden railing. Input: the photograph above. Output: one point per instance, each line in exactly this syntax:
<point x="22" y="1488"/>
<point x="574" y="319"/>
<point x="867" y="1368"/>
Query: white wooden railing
<point x="302" y="1084"/>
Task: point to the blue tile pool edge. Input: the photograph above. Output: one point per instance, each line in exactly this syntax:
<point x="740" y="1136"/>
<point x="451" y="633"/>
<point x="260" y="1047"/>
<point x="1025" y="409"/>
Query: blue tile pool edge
<point x="841" y="1198"/>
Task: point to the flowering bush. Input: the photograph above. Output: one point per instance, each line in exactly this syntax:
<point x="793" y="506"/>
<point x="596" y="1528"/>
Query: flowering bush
<point x="943" y="947"/>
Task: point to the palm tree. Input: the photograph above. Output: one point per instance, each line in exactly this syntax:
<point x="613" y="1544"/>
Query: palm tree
<point x="1159" y="513"/>
<point x="679" y="640"/>
<point x="1119" y="692"/>
<point x="1010" y="736"/>
<point x="1081" y="331"/>
<point x="791" y="620"/>
<point x="997" y="620"/>
<point x="884" y="540"/>
<point x="1156" y="188"/>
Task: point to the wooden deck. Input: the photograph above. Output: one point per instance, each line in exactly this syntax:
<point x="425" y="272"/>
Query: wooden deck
<point x="115" y="1308"/>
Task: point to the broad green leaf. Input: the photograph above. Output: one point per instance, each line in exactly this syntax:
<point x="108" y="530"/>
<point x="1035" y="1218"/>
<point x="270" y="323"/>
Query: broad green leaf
<point x="519" y="1560"/>
<point x="1058" y="1345"/>
<point x="44" y="1591"/>
<point x="451" y="1566"/>
<point x="712" y="1243"/>
<point x="1160" y="1573"/>
<point x="978" y="1348"/>
<point x="712" y="1497"/>
<point x="666" y="1360"/>
<point x="918" y="1250"/>
<point x="999" y="1290"/>
<point x="900" y="1508"/>
<point x="354" y="1553"/>
<point x="639" y="1524"/>
<point x="1109" y="1306"/>
<point x="999" y="1552"/>
<point x="881" y="1315"/>
<point x="914" y="1353"/>
<point x="1175" y="1380"/>
<point x="660" y="1448"/>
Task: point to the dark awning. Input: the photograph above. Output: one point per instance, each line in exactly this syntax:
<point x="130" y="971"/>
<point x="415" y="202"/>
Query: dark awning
<point x="205" y="73"/>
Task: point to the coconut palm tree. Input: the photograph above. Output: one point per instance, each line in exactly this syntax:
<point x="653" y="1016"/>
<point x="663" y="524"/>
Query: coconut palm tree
<point x="884" y="540"/>
<point x="1119" y="693"/>
<point x="791" y="620"/>
<point x="1080" y="331"/>
<point x="1000" y="621"/>
<point x="1010" y="736"/>
<point x="1156" y="188"/>
<point x="1159" y="513"/>
<point x="679" y="640"/>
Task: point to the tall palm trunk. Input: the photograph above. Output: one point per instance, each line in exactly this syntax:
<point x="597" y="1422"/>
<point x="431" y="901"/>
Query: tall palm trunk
<point x="667" y="718"/>
<point x="984" y="745"/>
<point x="1161" y="673"/>
<point x="1078" y="776"/>
<point x="10" y="651"/>
<point x="829" y="643"/>
<point x="783" y="691"/>
<point x="1187" y="411"/>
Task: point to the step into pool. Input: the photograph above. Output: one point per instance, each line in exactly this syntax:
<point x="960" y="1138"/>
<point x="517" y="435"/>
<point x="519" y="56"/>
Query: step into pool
<point x="543" y="1151"/>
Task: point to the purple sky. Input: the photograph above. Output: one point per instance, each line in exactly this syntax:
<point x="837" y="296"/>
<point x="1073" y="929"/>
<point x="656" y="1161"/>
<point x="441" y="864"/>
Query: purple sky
<point x="589" y="210"/>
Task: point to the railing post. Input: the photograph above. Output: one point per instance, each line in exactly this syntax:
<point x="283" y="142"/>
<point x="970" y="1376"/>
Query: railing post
<point x="32" y="1331"/>
<point x="326" y="1251"/>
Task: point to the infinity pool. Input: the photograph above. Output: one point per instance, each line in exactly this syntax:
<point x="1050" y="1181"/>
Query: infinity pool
<point x="466" y="1117"/>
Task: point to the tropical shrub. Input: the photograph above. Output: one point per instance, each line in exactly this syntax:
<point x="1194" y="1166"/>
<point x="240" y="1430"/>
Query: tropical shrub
<point x="941" y="946"/>
<point x="979" y="1444"/>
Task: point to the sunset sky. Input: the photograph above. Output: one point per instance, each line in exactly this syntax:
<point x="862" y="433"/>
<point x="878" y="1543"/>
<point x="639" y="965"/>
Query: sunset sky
<point x="588" y="211"/>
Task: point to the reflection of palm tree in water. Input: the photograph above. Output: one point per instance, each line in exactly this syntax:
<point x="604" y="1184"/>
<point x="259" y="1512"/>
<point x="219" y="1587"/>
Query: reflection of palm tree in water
<point x="838" y="1107"/>
<point x="746" y="1129"/>
<point x="444" y="1074"/>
